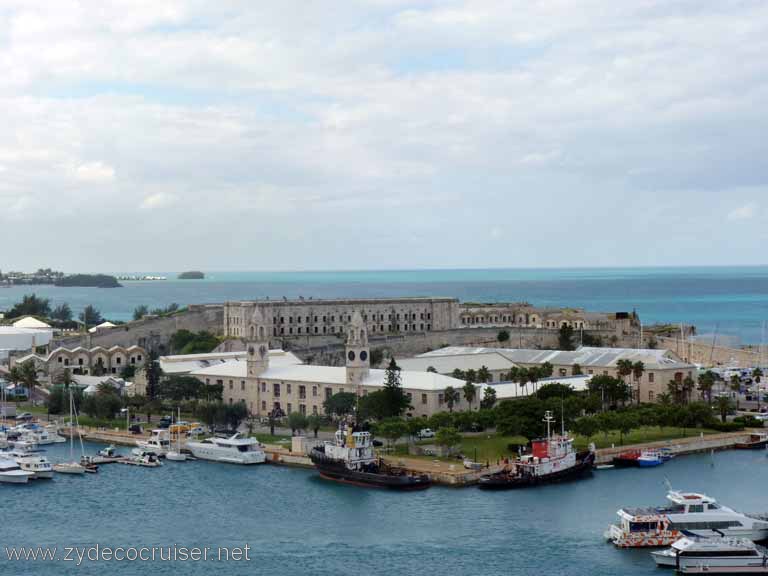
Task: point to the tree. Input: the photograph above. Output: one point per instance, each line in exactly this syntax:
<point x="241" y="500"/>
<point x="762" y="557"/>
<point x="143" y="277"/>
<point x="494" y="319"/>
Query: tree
<point x="736" y="387"/>
<point x="624" y="368"/>
<point x="90" y="316"/>
<point x="340" y="404"/>
<point x="458" y="374"/>
<point x="391" y="429"/>
<point x="706" y="383"/>
<point x="470" y="392"/>
<point x="546" y="370"/>
<point x="484" y="375"/>
<point x="178" y="388"/>
<point x="153" y="373"/>
<point x="151" y="406"/>
<point x="186" y="342"/>
<point x="30" y="305"/>
<point x="234" y="414"/>
<point x="451" y="396"/>
<point x="395" y="400"/>
<point x="675" y="388"/>
<point x="62" y="313"/>
<point x="314" y="422"/>
<point x="489" y="398"/>
<point x="28" y="375"/>
<point x="297" y="421"/>
<point x="565" y="337"/>
<point x="688" y="386"/>
<point x="140" y="311"/>
<point x="638" y="369"/>
<point x="448" y="438"/>
<point x="502" y="336"/>
<point x="724" y="406"/>
<point x="587" y="426"/>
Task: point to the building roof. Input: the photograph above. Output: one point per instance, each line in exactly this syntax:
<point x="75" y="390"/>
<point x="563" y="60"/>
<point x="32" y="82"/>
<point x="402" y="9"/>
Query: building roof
<point x="446" y="364"/>
<point x="30" y="322"/>
<point x="585" y="356"/>
<point x="328" y="375"/>
<point x="102" y="326"/>
<point x="507" y="390"/>
<point x="186" y="363"/>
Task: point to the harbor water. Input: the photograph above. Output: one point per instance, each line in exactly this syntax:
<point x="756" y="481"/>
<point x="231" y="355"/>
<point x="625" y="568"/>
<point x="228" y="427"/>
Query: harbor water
<point x="297" y="523"/>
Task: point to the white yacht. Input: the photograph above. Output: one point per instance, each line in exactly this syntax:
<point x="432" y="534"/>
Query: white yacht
<point x="689" y="552"/>
<point x="39" y="434"/>
<point x="234" y="450"/>
<point x="159" y="442"/>
<point x="11" y="473"/>
<point x="689" y="513"/>
<point x="32" y="462"/>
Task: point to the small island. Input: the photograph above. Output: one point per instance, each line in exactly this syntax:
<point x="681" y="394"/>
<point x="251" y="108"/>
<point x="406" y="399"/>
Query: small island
<point x="191" y="275"/>
<point x="88" y="280"/>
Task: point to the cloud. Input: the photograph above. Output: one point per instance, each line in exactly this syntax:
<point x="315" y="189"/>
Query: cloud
<point x="96" y="172"/>
<point x="745" y="212"/>
<point x="157" y="201"/>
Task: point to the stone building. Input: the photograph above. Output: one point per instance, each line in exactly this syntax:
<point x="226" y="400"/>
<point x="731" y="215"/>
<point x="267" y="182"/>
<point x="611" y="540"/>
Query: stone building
<point x="87" y="360"/>
<point x="264" y="385"/>
<point x="323" y="317"/>
<point x="660" y="366"/>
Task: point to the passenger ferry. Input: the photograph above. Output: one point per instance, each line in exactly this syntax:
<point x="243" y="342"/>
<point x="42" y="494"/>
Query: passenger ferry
<point x="689" y="512"/>
<point x="233" y="450"/>
<point x="735" y="553"/>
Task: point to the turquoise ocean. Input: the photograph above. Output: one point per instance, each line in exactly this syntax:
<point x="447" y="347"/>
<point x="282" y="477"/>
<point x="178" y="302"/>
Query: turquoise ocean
<point x="729" y="302"/>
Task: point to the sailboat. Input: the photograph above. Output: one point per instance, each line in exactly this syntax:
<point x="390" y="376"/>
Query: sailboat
<point x="71" y="467"/>
<point x="176" y="455"/>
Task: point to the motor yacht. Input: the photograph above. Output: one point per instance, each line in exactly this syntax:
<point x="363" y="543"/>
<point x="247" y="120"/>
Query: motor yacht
<point x="711" y="552"/>
<point x="689" y="512"/>
<point x="233" y="450"/>
<point x="11" y="472"/>
<point x="159" y="442"/>
<point x="31" y="462"/>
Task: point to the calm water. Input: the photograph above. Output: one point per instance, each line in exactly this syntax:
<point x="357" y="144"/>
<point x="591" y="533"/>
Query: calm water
<point x="299" y="524"/>
<point x="732" y="300"/>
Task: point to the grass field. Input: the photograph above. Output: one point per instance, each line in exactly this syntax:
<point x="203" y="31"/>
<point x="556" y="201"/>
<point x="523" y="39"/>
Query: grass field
<point x="639" y="436"/>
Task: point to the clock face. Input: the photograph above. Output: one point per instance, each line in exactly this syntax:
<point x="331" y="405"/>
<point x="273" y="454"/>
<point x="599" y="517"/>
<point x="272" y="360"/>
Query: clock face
<point x="363" y="355"/>
<point x="351" y="355"/>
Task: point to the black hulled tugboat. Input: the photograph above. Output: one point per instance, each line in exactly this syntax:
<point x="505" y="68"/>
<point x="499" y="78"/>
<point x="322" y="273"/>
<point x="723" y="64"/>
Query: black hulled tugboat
<point x="350" y="458"/>
<point x="552" y="459"/>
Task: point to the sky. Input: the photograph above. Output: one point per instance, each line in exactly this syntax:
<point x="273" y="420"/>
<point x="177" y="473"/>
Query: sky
<point x="373" y="134"/>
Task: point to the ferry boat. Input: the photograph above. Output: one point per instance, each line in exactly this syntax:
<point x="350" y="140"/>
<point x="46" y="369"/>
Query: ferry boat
<point x="551" y="460"/>
<point x="351" y="459"/>
<point x="159" y="442"/>
<point x="689" y="513"/>
<point x="233" y="450"/>
<point x="689" y="552"/>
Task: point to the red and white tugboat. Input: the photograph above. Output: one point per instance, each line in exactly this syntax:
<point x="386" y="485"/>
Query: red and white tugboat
<point x="350" y="458"/>
<point x="551" y="460"/>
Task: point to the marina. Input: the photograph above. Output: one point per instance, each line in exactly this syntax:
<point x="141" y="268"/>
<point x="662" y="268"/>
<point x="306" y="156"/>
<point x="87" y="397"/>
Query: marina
<point x="398" y="529"/>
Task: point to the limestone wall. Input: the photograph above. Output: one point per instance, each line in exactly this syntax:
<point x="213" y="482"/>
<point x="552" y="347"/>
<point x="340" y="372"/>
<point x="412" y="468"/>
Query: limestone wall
<point x="707" y="355"/>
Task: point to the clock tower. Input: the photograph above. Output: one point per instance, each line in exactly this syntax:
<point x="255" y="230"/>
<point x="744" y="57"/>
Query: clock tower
<point x="257" y="344"/>
<point x="358" y="352"/>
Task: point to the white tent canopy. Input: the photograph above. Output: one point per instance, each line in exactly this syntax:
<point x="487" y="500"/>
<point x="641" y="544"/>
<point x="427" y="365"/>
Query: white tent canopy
<point x="102" y="326"/>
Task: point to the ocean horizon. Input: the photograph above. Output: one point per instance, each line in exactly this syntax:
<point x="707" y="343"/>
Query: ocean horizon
<point x="728" y="303"/>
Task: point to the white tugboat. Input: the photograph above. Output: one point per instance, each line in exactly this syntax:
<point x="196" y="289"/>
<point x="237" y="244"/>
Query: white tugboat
<point x="689" y="512"/>
<point x="233" y="450"/>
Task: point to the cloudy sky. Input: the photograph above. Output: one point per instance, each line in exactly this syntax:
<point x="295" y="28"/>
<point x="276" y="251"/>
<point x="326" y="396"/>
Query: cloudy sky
<point x="174" y="134"/>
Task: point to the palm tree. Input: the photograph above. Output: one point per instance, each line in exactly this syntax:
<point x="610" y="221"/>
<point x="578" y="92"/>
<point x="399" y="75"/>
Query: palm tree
<point x="469" y="393"/>
<point x="665" y="399"/>
<point x="706" y="383"/>
<point x="451" y="396"/>
<point x="28" y="374"/>
<point x="484" y="375"/>
<point x="736" y="387"/>
<point x="522" y="379"/>
<point x="624" y="368"/>
<point x="688" y="386"/>
<point x="724" y="406"/>
<point x="675" y="388"/>
<point x="638" y="368"/>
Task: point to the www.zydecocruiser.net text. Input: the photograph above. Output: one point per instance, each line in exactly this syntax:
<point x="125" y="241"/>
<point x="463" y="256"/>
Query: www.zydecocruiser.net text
<point x="78" y="555"/>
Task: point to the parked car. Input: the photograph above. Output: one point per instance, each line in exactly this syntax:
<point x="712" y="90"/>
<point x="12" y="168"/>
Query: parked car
<point x="136" y="429"/>
<point x="165" y="422"/>
<point x="26" y="416"/>
<point x="196" y="431"/>
<point x="426" y="433"/>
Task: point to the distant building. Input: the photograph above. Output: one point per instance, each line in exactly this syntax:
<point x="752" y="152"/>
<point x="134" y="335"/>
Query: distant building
<point x="87" y="361"/>
<point x="265" y="385"/>
<point x="660" y="366"/>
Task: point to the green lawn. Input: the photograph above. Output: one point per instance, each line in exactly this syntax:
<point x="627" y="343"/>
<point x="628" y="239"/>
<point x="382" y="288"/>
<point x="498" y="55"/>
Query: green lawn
<point x="269" y="439"/>
<point x="640" y="435"/>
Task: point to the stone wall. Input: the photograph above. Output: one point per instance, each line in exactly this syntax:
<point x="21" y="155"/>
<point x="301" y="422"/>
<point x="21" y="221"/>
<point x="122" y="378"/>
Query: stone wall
<point x="152" y="332"/>
<point x="707" y="355"/>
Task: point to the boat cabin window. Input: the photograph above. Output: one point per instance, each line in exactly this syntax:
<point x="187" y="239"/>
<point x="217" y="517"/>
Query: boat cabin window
<point x="242" y="448"/>
<point x="643" y="526"/>
<point x="713" y="506"/>
<point x="695" y="508"/>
